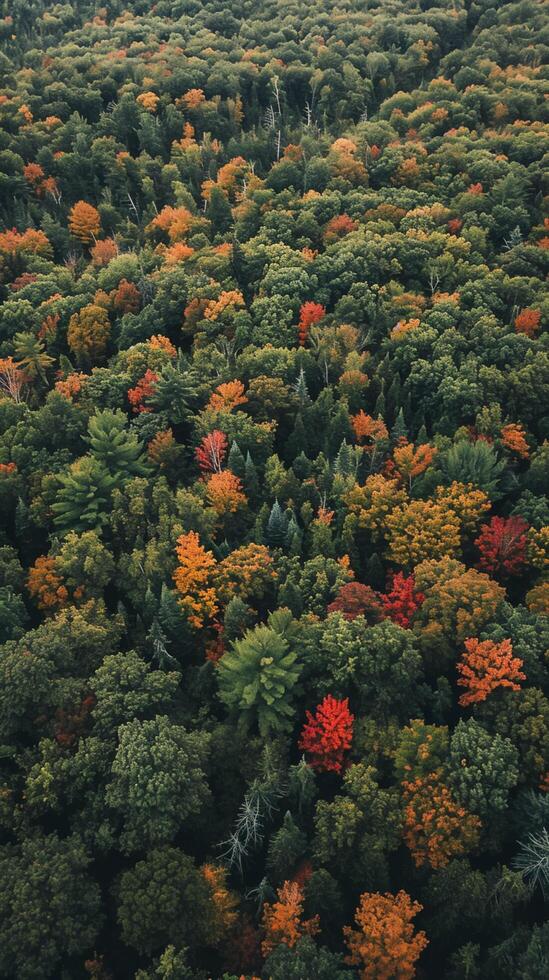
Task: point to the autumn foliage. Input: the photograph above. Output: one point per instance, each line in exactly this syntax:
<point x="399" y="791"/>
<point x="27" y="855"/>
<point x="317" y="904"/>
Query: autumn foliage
<point x="224" y="492"/>
<point x="485" y="666"/>
<point x="211" y="452"/>
<point x="283" y="919"/>
<point x="402" y="601"/>
<point x="502" y="546"/>
<point x="327" y="734"/>
<point x="45" y="584"/>
<point x="355" y="599"/>
<point x="436" y="827"/>
<point x="193" y="578"/>
<point x="385" y="945"/>
<point x="309" y="314"/>
<point x="84" y="222"/>
<point x="144" y="389"/>
<point x="528" y="321"/>
<point x="227" y="396"/>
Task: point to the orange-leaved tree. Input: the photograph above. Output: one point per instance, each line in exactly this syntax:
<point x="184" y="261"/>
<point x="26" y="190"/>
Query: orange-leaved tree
<point x="282" y="920"/>
<point x="45" y="584"/>
<point x="224" y="491"/>
<point x="436" y="827"/>
<point x="84" y="222"/>
<point x="193" y="578"/>
<point x="385" y="946"/>
<point x="410" y="462"/>
<point x="227" y="396"/>
<point x="485" y="666"/>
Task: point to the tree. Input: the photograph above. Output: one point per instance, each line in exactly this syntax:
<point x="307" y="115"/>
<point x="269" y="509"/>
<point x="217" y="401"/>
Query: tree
<point x="46" y="585"/>
<point x="158" y="780"/>
<point x="327" y="735"/>
<point x="305" y="959"/>
<point x="144" y="390"/>
<point x="283" y="919"/>
<point x="84" y="497"/>
<point x="402" y="601"/>
<point x="88" y="333"/>
<point x="115" y="447"/>
<point x="483" y="768"/>
<point x="485" y="666"/>
<point x="355" y="831"/>
<point x="258" y="679"/>
<point x="502" y="546"/>
<point x="422" y="529"/>
<point x="49" y="904"/>
<point x="193" y="580"/>
<point x="385" y="945"/>
<point x="164" y="898"/>
<point x="84" y="222"/>
<point x="277" y="527"/>
<point x="476" y="463"/>
<point x="309" y="314"/>
<point x="211" y="452"/>
<point x="126" y="688"/>
<point x="436" y="827"/>
<point x="31" y="356"/>
<point x="224" y="492"/>
<point x="355" y="599"/>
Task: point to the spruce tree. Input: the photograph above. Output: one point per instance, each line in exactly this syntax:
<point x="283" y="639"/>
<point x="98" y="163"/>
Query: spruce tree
<point x="277" y="527"/>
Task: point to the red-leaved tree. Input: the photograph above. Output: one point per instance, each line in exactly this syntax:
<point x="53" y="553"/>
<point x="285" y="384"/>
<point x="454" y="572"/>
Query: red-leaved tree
<point x="502" y="546"/>
<point x="402" y="601"/>
<point x="355" y="599"/>
<point x="327" y="734"/>
<point x="211" y="452"/>
<point x="309" y="313"/>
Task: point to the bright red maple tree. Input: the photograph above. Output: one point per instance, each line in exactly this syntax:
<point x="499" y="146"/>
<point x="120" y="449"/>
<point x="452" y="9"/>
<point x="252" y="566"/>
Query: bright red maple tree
<point x="402" y="601"/>
<point x="328" y="734"/>
<point x="211" y="452"/>
<point x="308" y="314"/>
<point x="502" y="545"/>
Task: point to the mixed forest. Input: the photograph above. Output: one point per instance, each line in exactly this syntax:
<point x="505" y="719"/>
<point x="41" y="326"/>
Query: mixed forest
<point x="274" y="542"/>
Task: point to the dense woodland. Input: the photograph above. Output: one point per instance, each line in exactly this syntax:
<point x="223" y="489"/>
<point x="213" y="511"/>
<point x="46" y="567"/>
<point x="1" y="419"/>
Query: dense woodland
<point x="274" y="542"/>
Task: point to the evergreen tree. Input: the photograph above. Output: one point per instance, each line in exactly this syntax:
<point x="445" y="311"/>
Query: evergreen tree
<point x="277" y="527"/>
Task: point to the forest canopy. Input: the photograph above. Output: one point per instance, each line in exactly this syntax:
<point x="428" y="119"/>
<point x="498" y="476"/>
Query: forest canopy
<point x="274" y="448"/>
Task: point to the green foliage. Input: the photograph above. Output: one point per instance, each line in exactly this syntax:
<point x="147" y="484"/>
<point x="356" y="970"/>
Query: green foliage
<point x="483" y="769"/>
<point x="258" y="680"/>
<point x="163" y="899"/>
<point x="158" y="780"/>
<point x="50" y="906"/>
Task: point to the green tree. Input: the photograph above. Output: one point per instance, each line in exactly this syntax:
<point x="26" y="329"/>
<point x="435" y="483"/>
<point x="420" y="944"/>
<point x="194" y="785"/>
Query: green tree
<point x="49" y="905"/>
<point x="163" y="899"/>
<point x="258" y="680"/>
<point x="114" y="447"/>
<point x="158" y="780"/>
<point x="483" y="768"/>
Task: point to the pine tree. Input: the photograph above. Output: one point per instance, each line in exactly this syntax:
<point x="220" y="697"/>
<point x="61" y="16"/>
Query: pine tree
<point x="219" y="211"/>
<point x="83" y="501"/>
<point x="117" y="449"/>
<point x="236" y="462"/>
<point x="301" y="390"/>
<point x="251" y="479"/>
<point x="399" y="430"/>
<point x="277" y="527"/>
